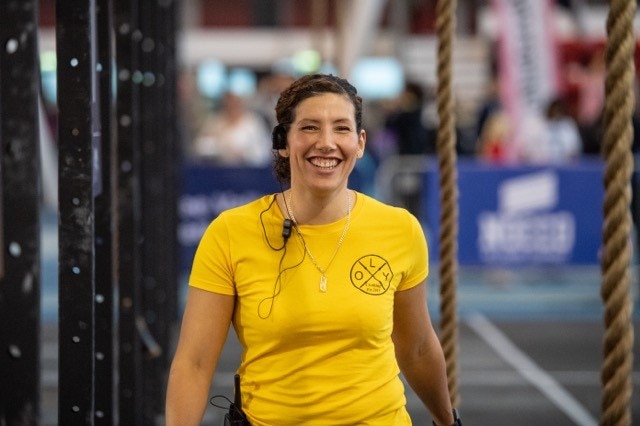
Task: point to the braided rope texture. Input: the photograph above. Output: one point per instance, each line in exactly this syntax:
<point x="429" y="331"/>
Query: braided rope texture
<point x="446" y="142"/>
<point x="615" y="290"/>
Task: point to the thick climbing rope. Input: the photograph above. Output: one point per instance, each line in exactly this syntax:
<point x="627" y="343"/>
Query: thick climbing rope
<point x="446" y="146"/>
<point x="615" y="290"/>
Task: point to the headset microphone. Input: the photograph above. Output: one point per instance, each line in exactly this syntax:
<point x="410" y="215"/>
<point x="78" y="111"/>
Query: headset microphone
<point x="286" y="229"/>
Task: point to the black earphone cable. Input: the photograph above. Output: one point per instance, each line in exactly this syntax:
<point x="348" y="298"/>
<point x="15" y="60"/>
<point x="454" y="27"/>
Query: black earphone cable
<point x="286" y="233"/>
<point x="264" y="229"/>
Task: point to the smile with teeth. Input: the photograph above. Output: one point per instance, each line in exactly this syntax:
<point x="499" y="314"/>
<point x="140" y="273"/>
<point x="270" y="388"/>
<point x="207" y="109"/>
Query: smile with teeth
<point x="324" y="163"/>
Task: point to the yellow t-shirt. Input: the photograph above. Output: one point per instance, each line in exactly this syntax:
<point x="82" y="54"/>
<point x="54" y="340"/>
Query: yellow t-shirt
<point x="313" y="357"/>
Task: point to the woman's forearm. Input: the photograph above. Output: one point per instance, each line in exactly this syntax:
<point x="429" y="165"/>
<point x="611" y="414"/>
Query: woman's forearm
<point x="426" y="374"/>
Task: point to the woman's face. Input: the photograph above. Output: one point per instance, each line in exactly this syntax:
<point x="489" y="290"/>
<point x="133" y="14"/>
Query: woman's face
<point x="323" y="143"/>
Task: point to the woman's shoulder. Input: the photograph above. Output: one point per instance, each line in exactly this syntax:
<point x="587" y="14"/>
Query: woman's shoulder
<point x="373" y="207"/>
<point x="250" y="208"/>
<point x="377" y="217"/>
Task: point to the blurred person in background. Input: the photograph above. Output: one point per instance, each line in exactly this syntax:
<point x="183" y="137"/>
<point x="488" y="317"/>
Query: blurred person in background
<point x="492" y="127"/>
<point x="564" y="141"/>
<point x="407" y="123"/>
<point x="491" y="104"/>
<point x="494" y="137"/>
<point x="233" y="135"/>
<point x="589" y="81"/>
<point x="269" y="88"/>
<point x="551" y="137"/>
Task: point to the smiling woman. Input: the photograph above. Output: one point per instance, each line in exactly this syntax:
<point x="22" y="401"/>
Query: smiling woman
<point x="327" y="320"/>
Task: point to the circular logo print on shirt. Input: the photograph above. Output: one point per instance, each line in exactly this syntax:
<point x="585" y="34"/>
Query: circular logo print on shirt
<point x="371" y="274"/>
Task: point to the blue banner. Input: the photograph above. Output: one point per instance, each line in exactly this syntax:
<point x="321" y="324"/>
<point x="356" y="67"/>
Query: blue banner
<point x="519" y="216"/>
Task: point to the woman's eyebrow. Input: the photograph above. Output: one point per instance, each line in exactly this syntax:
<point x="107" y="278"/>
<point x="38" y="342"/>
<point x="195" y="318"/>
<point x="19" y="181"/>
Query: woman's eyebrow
<point x="315" y="120"/>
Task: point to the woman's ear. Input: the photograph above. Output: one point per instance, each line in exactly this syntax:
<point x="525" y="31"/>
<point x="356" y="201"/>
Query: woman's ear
<point x="362" y="141"/>
<point x="283" y="153"/>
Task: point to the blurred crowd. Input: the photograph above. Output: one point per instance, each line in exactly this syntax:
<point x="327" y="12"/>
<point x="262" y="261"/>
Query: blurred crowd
<point x="235" y="129"/>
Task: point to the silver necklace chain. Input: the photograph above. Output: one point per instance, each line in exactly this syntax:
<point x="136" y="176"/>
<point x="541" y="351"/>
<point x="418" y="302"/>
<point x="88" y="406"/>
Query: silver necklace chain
<point x="323" y="272"/>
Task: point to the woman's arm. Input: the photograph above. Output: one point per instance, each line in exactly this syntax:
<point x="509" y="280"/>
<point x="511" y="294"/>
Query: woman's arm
<point x="419" y="353"/>
<point x="204" y="329"/>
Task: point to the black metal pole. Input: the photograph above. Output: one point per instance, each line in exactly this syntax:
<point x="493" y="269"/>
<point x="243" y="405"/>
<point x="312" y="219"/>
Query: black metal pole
<point x="19" y="214"/>
<point x="106" y="313"/>
<point x="128" y="208"/>
<point x="173" y="159"/>
<point x="79" y="183"/>
<point x="157" y="141"/>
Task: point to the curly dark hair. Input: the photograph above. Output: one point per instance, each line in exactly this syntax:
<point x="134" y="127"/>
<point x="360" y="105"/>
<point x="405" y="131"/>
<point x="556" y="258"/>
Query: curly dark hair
<point x="301" y="89"/>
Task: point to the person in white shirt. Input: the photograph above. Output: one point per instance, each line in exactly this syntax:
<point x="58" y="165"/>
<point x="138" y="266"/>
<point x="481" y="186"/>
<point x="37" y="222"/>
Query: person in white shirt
<point x="234" y="136"/>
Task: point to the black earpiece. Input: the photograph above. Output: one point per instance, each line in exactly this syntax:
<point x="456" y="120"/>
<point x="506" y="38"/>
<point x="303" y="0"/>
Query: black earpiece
<point x="279" y="137"/>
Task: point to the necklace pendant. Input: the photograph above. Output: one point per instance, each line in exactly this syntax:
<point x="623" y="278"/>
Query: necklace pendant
<point x="323" y="283"/>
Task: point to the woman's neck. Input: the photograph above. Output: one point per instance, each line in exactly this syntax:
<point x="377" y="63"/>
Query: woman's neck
<point x="308" y="209"/>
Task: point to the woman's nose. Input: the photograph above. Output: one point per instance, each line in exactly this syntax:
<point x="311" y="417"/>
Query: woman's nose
<point x="325" y="140"/>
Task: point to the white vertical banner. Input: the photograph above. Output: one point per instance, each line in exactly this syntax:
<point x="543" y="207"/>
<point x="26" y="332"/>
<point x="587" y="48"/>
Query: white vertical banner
<point x="528" y="65"/>
<point x="357" y="32"/>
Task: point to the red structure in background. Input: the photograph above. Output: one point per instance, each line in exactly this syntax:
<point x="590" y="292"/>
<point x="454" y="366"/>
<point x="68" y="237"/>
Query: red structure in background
<point x="580" y="53"/>
<point x="242" y="14"/>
